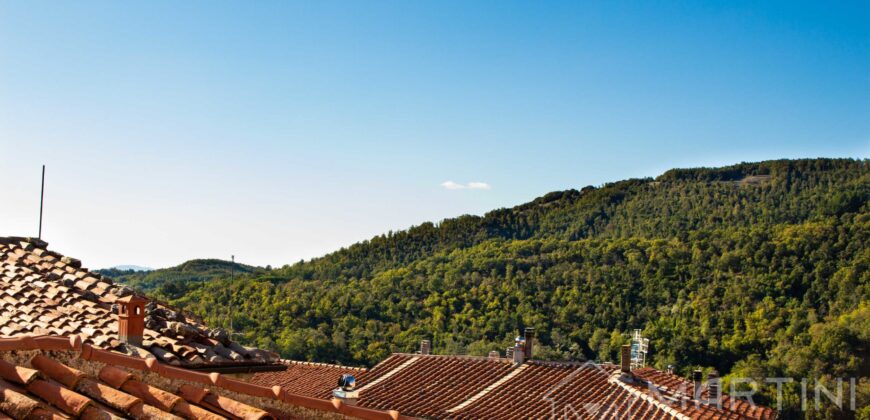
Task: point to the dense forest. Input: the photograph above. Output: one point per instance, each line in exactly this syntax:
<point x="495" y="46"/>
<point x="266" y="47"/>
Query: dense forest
<point x="757" y="269"/>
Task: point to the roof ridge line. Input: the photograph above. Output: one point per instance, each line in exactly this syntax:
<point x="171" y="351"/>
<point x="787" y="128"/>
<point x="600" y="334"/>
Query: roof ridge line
<point x="305" y="363"/>
<point x="11" y="240"/>
<point x="458" y="356"/>
<point x="395" y="370"/>
<point x="514" y="372"/>
<point x="614" y="379"/>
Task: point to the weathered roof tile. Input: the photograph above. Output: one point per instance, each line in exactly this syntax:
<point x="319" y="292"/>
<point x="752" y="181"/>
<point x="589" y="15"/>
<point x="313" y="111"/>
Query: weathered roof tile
<point x="42" y="292"/>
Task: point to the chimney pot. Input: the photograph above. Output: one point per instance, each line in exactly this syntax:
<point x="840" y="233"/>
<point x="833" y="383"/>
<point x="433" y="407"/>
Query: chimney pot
<point x="625" y="358"/>
<point x="713" y="388"/>
<point x="519" y="355"/>
<point x="425" y="347"/>
<point x="131" y="319"/>
<point x="529" y="338"/>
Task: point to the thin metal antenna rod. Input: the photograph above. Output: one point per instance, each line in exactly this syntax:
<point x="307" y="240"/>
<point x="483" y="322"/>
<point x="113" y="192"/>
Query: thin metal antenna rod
<point x="41" y="199"/>
<point x="232" y="280"/>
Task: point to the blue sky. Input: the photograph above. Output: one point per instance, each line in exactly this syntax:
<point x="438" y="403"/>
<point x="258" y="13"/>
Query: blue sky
<point x="277" y="131"/>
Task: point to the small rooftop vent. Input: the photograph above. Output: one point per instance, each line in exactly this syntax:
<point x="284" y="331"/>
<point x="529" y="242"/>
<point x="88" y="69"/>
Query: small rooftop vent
<point x="347" y="382"/>
<point x="346" y="391"/>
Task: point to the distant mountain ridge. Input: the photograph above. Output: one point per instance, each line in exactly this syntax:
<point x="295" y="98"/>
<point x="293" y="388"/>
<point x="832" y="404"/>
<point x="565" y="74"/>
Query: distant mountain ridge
<point x="130" y="268"/>
<point x="189" y="272"/>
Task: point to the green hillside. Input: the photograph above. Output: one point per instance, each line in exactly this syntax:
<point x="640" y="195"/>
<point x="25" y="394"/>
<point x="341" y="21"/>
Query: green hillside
<point x="753" y="269"/>
<point x="176" y="281"/>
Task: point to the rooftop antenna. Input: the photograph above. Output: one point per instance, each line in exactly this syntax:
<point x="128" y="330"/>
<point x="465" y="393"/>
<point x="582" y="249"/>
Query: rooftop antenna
<point x="232" y="280"/>
<point x="639" y="349"/>
<point x="41" y="199"/>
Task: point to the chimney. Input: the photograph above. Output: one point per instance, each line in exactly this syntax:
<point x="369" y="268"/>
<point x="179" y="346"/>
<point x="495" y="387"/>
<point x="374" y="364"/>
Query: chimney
<point x="696" y="379"/>
<point x="131" y="319"/>
<point x="528" y="339"/>
<point x="494" y="355"/>
<point x="713" y="388"/>
<point x="670" y="369"/>
<point x="625" y="358"/>
<point x="509" y="353"/>
<point x="519" y="356"/>
<point x="425" y="347"/>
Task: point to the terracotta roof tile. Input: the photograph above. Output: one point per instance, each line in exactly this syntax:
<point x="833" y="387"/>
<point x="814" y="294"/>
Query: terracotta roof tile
<point x="152" y="395"/>
<point x="309" y="379"/>
<point x="64" y="399"/>
<point x="464" y="387"/>
<point x="66" y="375"/>
<point x="42" y="292"/>
<point x="17" y="374"/>
<point x="15" y="403"/>
<point x="680" y="389"/>
<point x="51" y="388"/>
<point x="221" y="404"/>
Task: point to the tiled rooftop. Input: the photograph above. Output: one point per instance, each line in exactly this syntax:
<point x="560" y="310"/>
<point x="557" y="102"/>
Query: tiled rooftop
<point x="464" y="387"/>
<point x="60" y="377"/>
<point x="45" y="293"/>
<point x="680" y="390"/>
<point x="315" y="380"/>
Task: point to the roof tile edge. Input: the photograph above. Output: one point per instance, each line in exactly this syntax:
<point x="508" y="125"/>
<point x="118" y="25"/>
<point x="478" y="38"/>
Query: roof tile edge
<point x="91" y="353"/>
<point x="304" y="363"/>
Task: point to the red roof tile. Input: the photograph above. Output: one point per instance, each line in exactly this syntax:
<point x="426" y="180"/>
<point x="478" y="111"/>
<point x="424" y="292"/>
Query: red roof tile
<point x="50" y="388"/>
<point x="680" y="390"/>
<point x="45" y="293"/>
<point x="464" y="387"/>
<point x="304" y="378"/>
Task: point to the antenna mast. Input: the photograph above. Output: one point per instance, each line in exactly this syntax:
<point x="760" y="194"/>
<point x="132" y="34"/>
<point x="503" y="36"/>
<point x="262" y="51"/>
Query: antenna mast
<point x="232" y="279"/>
<point x="41" y="199"/>
<point x="639" y="349"/>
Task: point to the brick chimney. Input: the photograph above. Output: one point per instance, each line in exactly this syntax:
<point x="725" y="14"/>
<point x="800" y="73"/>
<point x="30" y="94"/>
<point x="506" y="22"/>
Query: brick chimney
<point x="425" y="347"/>
<point x="131" y="319"/>
<point x="529" y="340"/>
<point x="625" y="358"/>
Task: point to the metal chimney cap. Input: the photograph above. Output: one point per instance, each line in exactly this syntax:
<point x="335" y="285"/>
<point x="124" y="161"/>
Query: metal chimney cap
<point x="347" y="382"/>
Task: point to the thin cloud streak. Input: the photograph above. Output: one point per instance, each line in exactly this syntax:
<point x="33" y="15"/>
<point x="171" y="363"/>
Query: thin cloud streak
<point x="474" y="185"/>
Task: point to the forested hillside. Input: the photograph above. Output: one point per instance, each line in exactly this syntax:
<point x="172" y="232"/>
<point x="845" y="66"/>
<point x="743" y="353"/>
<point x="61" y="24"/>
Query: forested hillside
<point x="754" y="269"/>
<point x="175" y="281"/>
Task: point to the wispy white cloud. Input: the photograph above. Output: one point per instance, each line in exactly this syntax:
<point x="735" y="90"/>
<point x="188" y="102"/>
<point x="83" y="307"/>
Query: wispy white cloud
<point x="474" y="185"/>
